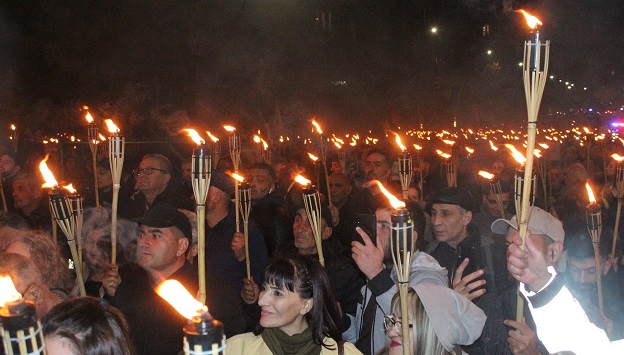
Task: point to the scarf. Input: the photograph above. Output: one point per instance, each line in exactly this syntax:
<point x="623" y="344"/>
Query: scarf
<point x="281" y="343"/>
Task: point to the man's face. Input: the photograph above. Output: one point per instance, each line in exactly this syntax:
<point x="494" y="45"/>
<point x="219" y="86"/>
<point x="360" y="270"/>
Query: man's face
<point x="260" y="183"/>
<point x="583" y="273"/>
<point x="491" y="205"/>
<point x="7" y="165"/>
<point x="383" y="231"/>
<point x="24" y="195"/>
<point x="413" y="194"/>
<point x="187" y="171"/>
<point x="157" y="248"/>
<point x="498" y="167"/>
<point x="339" y="189"/>
<point x="538" y="239"/>
<point x="156" y="181"/>
<point x="105" y="178"/>
<point x="449" y="223"/>
<point x="377" y="168"/>
<point x="304" y="238"/>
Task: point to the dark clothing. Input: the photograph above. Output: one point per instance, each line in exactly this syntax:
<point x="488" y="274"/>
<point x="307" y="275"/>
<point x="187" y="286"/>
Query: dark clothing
<point x="483" y="220"/>
<point x="273" y="220"/>
<point x="220" y="259"/>
<point x="155" y="326"/>
<point x="136" y="205"/>
<point x="40" y="218"/>
<point x="7" y="188"/>
<point x="483" y="254"/>
<point x="344" y="232"/>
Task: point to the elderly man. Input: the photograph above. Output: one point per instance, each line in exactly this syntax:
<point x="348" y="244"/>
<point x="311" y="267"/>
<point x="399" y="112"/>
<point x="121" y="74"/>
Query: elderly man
<point x="374" y="259"/>
<point x="267" y="207"/>
<point x="155" y="184"/>
<point x="155" y="326"/>
<point x="460" y="249"/>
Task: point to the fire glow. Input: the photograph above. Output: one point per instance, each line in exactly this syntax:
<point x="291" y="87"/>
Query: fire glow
<point x="8" y="293"/>
<point x="395" y="202"/>
<point x="174" y="293"/>
<point x="318" y="128"/>
<point x="50" y="181"/>
<point x="531" y="20"/>
<point x="303" y="181"/>
<point x="516" y="154"/>
<point x="590" y="194"/>
<point x="195" y="136"/>
<point x="110" y="125"/>
<point x="486" y="175"/>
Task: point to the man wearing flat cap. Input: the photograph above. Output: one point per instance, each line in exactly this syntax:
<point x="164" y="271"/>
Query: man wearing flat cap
<point x="474" y="263"/>
<point x="155" y="326"/>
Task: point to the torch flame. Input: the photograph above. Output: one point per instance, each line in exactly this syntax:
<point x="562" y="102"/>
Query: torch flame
<point x="544" y="145"/>
<point x="112" y="128"/>
<point x="537" y="153"/>
<point x="442" y="154"/>
<point x="237" y="177"/>
<point x="395" y="202"/>
<point x="214" y="139"/>
<point x="303" y="181"/>
<point x="494" y="148"/>
<point x="516" y="154"/>
<point x="70" y="188"/>
<point x="486" y="175"/>
<point x="229" y="128"/>
<point x="417" y="147"/>
<point x="8" y="293"/>
<point x="449" y="142"/>
<point x="265" y="145"/>
<point x="174" y="293"/>
<point x="256" y="139"/>
<point x="194" y="136"/>
<point x="102" y="138"/>
<point x="89" y="117"/>
<point x="13" y="128"/>
<point x="398" y="140"/>
<point x="50" y="181"/>
<point x="313" y="157"/>
<point x="531" y="20"/>
<point x="469" y="150"/>
<point x="590" y="193"/>
<point x="318" y="128"/>
<point x="617" y="157"/>
<point x="337" y="145"/>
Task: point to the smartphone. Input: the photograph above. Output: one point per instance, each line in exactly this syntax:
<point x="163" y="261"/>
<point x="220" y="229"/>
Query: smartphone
<point x="368" y="223"/>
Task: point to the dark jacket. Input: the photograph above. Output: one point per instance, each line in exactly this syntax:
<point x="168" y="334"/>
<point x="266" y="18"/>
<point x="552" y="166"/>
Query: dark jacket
<point x="273" y="220"/>
<point x="136" y="205"/>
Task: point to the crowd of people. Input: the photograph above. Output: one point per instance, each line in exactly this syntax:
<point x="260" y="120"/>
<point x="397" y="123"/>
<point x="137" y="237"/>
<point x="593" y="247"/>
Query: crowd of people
<point x="463" y="279"/>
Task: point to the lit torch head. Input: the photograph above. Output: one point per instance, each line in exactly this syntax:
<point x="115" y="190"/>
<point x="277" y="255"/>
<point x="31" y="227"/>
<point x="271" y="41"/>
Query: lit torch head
<point x="448" y="142"/>
<point x="313" y="157"/>
<point x="395" y="202"/>
<point x="516" y="154"/>
<point x="399" y="143"/>
<point x="256" y="139"/>
<point x="70" y="188"/>
<point x="8" y="293"/>
<point x="494" y="148"/>
<point x="50" y="181"/>
<point x="590" y="194"/>
<point x="442" y="154"/>
<point x="303" y="181"/>
<point x="174" y="293"/>
<point x="237" y="177"/>
<point x="317" y="126"/>
<point x="195" y="136"/>
<point x="214" y="139"/>
<point x="486" y="175"/>
<point x="417" y="147"/>
<point x="229" y="128"/>
<point x="89" y="118"/>
<point x="110" y="125"/>
<point x="531" y="20"/>
<point x="617" y="158"/>
<point x="13" y="128"/>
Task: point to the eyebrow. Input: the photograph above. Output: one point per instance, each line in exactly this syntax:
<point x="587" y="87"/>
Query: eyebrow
<point x="151" y="230"/>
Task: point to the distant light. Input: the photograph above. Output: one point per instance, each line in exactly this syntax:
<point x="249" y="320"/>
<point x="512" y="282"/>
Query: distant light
<point x="572" y="84"/>
<point x="591" y="110"/>
<point x="520" y="64"/>
<point x="567" y="83"/>
<point x="569" y="87"/>
<point x="489" y="52"/>
<point x="560" y="80"/>
<point x="434" y="30"/>
<point x="584" y="88"/>
<point x="552" y="76"/>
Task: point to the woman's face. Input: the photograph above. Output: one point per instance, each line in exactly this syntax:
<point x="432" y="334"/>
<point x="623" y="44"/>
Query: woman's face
<point x="283" y="309"/>
<point x="396" y="340"/>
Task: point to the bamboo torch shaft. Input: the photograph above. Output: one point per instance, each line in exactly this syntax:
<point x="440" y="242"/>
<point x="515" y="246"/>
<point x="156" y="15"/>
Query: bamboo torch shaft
<point x="405" y="322"/>
<point x="114" y="224"/>
<point x="4" y="204"/>
<point x="201" y="251"/>
<point x="95" y="179"/>
<point x="616" y="229"/>
<point x="247" y="262"/>
<point x="598" y="276"/>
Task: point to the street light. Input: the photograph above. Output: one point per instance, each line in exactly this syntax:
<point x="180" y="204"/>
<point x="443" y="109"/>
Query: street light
<point x="434" y="30"/>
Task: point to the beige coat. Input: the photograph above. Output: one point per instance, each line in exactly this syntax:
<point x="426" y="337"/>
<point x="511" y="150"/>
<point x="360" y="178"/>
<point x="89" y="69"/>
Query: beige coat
<point x="249" y="343"/>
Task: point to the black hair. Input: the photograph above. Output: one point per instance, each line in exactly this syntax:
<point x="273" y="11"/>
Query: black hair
<point x="266" y="167"/>
<point x="92" y="326"/>
<point x="306" y="276"/>
<point x="388" y="158"/>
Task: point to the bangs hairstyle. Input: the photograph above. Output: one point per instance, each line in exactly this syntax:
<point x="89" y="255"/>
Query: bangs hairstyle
<point x="305" y="276"/>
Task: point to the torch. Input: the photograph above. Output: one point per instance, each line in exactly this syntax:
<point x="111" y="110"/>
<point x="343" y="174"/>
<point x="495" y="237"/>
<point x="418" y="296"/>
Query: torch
<point x="342" y="154"/>
<point x="202" y="333"/>
<point x="201" y="170"/>
<point x="116" y="147"/>
<point x="92" y="135"/>
<point x="102" y="151"/>
<point x="21" y="330"/>
<point x="544" y="171"/>
<point x="323" y="151"/>
<point x="594" y="226"/>
<point x="235" y="152"/>
<point x="451" y="177"/>
<point x="14" y="137"/>
<point x="496" y="189"/>
<point x="315" y="160"/>
<point x="264" y="154"/>
<point x="405" y="167"/>
<point x="618" y="192"/>
<point x="75" y="201"/>
<point x="62" y="213"/>
<point x="421" y="167"/>
<point x="312" y="203"/>
<point x="244" y="192"/>
<point x="401" y="246"/>
<point x="216" y="149"/>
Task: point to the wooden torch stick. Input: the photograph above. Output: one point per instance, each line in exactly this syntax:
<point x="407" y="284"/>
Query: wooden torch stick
<point x="116" y="147"/>
<point x="401" y="247"/>
<point x="312" y="202"/>
<point x="593" y="214"/>
<point x="618" y="192"/>
<point x="4" y="204"/>
<point x="235" y="156"/>
<point x="245" y="209"/>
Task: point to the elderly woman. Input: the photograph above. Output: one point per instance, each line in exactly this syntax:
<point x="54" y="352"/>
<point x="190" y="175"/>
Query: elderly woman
<point x="300" y="314"/>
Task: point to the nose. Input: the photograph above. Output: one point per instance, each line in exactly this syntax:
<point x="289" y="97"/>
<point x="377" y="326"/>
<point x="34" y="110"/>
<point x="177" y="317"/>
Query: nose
<point x="262" y="300"/>
<point x="393" y="332"/>
<point x="585" y="278"/>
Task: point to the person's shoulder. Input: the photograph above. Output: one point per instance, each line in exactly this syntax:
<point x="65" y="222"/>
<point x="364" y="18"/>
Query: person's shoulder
<point x="247" y="343"/>
<point x="349" y="348"/>
<point x="427" y="269"/>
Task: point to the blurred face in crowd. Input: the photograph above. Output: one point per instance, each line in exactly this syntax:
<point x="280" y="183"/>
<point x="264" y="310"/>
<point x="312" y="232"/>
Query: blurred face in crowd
<point x="491" y="205"/>
<point x="498" y="167"/>
<point x="261" y="183"/>
<point x="382" y="215"/>
<point x="339" y="189"/>
<point x="7" y="165"/>
<point x="159" y="248"/>
<point x="95" y="257"/>
<point x="151" y="176"/>
<point x="26" y="196"/>
<point x="377" y="168"/>
<point x="304" y="237"/>
<point x="583" y="273"/>
<point x="449" y="223"/>
<point x="105" y="179"/>
<point x="187" y="171"/>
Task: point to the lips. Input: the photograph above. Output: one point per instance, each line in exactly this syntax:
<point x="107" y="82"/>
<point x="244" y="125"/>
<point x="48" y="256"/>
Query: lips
<point x="395" y="344"/>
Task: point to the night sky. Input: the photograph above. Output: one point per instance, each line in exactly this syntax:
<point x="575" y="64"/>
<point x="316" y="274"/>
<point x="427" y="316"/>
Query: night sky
<point x="272" y="61"/>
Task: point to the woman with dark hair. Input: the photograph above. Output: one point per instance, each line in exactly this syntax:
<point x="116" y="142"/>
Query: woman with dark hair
<point x="86" y="326"/>
<point x="300" y="314"/>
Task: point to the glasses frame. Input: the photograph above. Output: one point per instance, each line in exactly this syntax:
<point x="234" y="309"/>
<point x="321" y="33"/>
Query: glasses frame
<point x="390" y="322"/>
<point x="148" y="171"/>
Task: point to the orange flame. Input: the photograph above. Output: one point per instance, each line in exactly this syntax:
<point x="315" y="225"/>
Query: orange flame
<point x="8" y="293"/>
<point x="89" y="117"/>
<point x="516" y="154"/>
<point x="337" y="145"/>
<point x="214" y="139"/>
<point x="449" y="142"/>
<point x="486" y="175"/>
<point x="617" y="157"/>
<point x="442" y="154"/>
<point x="313" y="157"/>
<point x="237" y="177"/>
<point x="50" y="181"/>
<point x="590" y="193"/>
<point x="256" y="139"/>
<point x="13" y="128"/>
<point x="112" y="128"/>
<point x="543" y="145"/>
<point x="531" y="20"/>
<point x="469" y="150"/>
<point x="102" y="138"/>
<point x="400" y="144"/>
<point x="494" y="148"/>
<point x="395" y="202"/>
<point x="265" y="145"/>
<point x="194" y="136"/>
<point x="229" y="128"/>
<point x="318" y="128"/>
<point x="417" y="147"/>
<point x="303" y="181"/>
<point x="537" y="153"/>
<point x="174" y="293"/>
<point x="70" y="188"/>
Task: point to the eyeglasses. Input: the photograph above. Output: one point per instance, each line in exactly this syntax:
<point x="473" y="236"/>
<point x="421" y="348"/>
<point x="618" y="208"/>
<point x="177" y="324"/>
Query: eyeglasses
<point x="390" y="322"/>
<point x="148" y="171"/>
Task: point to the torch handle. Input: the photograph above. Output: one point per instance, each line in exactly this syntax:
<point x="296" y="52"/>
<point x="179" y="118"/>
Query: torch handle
<point x="247" y="262"/>
<point x="598" y="275"/>
<point x="4" y="204"/>
<point x="329" y="201"/>
<point x="95" y="178"/>
<point x="236" y="203"/>
<point x="201" y="252"/>
<point x="77" y="267"/>
<point x="114" y="224"/>
<point x="405" y="321"/>
<point x="616" y="229"/>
